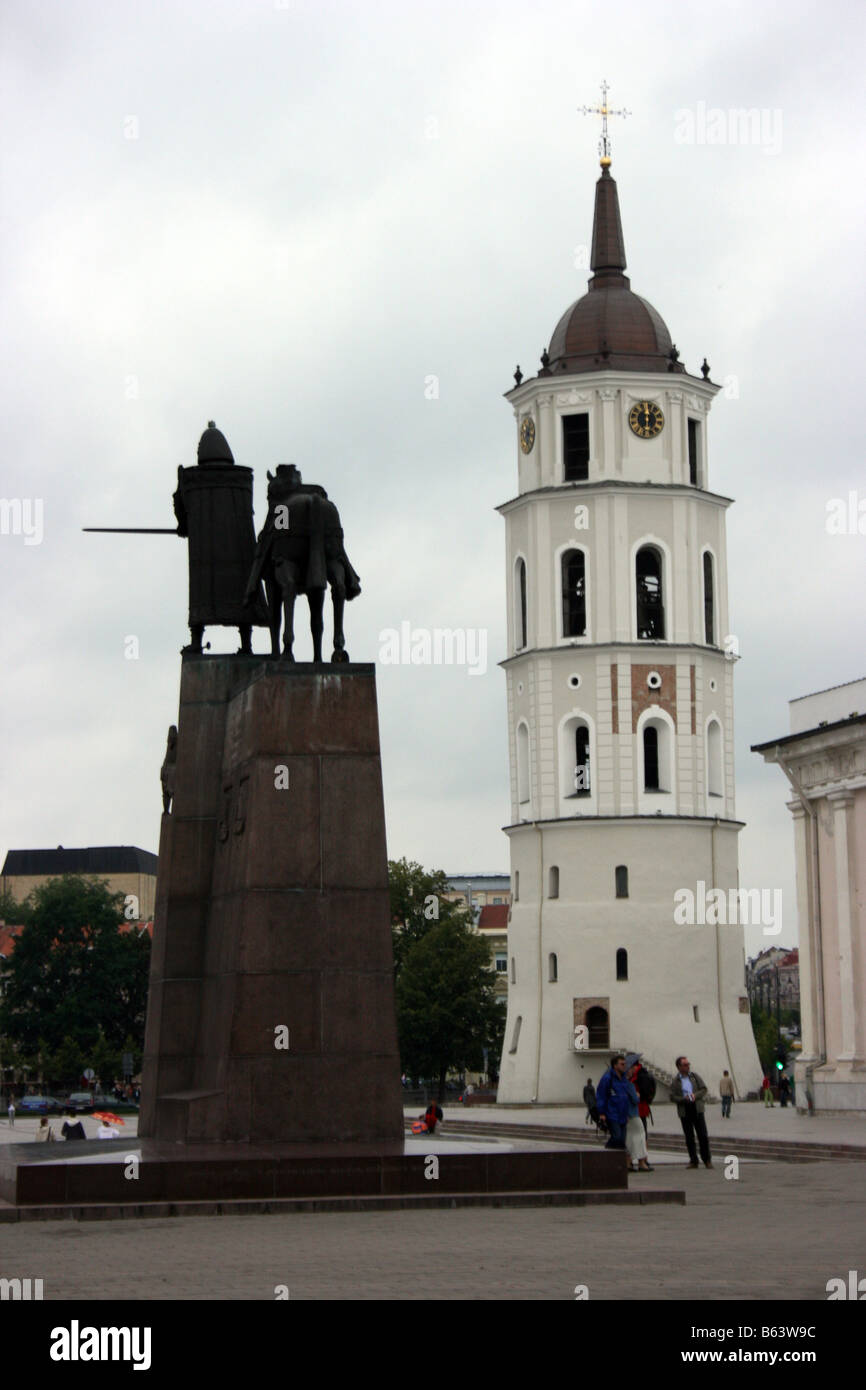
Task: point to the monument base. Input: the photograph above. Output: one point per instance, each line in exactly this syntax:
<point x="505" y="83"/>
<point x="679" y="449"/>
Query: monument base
<point x="142" y="1175"/>
<point x="271" y="1007"/>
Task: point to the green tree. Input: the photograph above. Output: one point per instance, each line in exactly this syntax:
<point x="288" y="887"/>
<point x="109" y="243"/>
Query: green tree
<point x="105" y="1061"/>
<point x="418" y="904"/>
<point x="766" y="1036"/>
<point x="447" y="1011"/>
<point x="13" y="913"/>
<point x="73" y="972"/>
<point x="67" y="1064"/>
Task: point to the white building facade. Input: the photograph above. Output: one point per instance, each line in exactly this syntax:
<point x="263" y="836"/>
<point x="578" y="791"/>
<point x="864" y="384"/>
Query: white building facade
<point x="620" y="706"/>
<point x="824" y="759"/>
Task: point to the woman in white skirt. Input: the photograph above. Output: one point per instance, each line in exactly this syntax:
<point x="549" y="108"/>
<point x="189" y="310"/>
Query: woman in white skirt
<point x="635" y="1138"/>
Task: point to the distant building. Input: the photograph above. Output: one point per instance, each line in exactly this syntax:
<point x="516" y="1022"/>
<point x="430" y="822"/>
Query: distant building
<point x="477" y="891"/>
<point x="778" y="963"/>
<point x="824" y="760"/>
<point x="128" y="870"/>
<point x="488" y="897"/>
<point x="492" y="924"/>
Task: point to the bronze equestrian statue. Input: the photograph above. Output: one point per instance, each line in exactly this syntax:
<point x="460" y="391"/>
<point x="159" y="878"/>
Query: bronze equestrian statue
<point x="300" y="551"/>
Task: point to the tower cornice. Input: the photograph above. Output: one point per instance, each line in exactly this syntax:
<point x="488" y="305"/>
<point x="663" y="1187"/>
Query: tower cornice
<point x="610" y="380"/>
<point x="641" y="647"/>
<point x="615" y="485"/>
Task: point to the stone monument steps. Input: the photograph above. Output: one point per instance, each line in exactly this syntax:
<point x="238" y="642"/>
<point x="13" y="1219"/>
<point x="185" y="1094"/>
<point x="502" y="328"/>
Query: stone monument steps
<point x="788" y="1151"/>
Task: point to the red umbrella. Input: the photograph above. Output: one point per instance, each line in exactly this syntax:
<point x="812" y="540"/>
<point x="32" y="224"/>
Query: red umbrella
<point x="108" y="1117"/>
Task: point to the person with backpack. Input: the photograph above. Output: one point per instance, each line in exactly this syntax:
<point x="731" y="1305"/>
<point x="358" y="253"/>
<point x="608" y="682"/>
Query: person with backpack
<point x="432" y="1114"/>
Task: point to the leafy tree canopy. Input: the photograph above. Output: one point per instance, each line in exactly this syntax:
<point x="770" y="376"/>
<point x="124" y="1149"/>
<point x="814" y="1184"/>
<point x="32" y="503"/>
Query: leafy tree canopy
<point x="13" y="913"/>
<point x="447" y="1010"/>
<point x="73" y="973"/>
<point x="418" y="904"/>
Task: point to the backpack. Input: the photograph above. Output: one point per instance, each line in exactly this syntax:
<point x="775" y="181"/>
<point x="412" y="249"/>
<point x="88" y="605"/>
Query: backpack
<point x="646" y="1086"/>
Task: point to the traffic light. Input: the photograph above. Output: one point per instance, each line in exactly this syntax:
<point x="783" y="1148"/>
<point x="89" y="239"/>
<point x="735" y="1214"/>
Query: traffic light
<point x="781" y="1057"/>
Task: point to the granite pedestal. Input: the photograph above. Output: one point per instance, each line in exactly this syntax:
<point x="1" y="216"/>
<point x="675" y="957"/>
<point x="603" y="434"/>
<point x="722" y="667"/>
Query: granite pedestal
<point x="271" y="1008"/>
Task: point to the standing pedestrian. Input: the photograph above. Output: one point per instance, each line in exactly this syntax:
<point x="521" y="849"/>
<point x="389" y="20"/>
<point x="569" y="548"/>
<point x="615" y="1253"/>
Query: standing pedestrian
<point x="589" y="1102"/>
<point x="612" y="1099"/>
<point x="769" y="1103"/>
<point x="72" y="1127"/>
<point x="645" y="1085"/>
<point x="784" y="1090"/>
<point x="726" y="1091"/>
<point x="635" y="1132"/>
<point x="688" y="1093"/>
<point x="11" y="1112"/>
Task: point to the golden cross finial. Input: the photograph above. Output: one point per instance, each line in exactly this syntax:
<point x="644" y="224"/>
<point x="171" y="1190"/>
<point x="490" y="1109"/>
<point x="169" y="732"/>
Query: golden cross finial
<point x="604" y="111"/>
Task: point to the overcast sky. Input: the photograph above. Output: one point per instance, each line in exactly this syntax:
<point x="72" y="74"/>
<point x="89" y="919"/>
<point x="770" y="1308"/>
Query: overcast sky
<point x="288" y="217"/>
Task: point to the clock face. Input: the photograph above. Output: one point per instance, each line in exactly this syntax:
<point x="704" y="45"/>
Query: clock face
<point x="527" y="434"/>
<point x="646" y="419"/>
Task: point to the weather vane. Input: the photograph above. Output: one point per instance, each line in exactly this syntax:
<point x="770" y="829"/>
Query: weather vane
<point x="604" y="111"/>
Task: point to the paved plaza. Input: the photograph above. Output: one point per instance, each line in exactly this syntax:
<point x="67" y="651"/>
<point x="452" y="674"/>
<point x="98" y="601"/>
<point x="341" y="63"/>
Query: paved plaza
<point x="779" y="1230"/>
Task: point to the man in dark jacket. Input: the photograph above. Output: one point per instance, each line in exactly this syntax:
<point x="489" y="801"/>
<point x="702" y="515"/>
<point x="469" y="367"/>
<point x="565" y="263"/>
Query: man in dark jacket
<point x="688" y="1093"/>
<point x="72" y="1127"/>
<point x="612" y="1099"/>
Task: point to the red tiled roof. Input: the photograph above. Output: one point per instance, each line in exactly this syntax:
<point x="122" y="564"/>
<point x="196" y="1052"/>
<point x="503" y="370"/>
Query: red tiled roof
<point x="8" y="934"/>
<point x="7" y="940"/>
<point x="494" y="917"/>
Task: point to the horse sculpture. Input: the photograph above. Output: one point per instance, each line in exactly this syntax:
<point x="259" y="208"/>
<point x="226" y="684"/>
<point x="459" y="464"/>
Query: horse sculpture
<point x="300" y="551"/>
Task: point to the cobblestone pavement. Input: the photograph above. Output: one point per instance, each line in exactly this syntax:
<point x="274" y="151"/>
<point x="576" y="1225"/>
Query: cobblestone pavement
<point x="778" y="1231"/>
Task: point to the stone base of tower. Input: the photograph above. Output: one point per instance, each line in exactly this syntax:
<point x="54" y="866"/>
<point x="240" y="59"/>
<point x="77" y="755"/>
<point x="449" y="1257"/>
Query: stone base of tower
<point x="591" y="973"/>
<point x="271" y="1007"/>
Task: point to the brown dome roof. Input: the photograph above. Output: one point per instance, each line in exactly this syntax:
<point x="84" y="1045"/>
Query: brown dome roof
<point x="610" y="326"/>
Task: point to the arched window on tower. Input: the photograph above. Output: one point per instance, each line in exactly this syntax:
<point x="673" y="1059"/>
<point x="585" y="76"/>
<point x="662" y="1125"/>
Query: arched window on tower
<point x="552" y="968"/>
<point x="622" y="964"/>
<point x="582" y="781"/>
<point x="709" y="601"/>
<point x="553" y="884"/>
<point x="574" y="594"/>
<point x="657" y="745"/>
<point x="650" y="598"/>
<point x="522" y="764"/>
<point x="621" y="880"/>
<point x="715" y="783"/>
<point x="651" y="758"/>
<point x="520" y="604"/>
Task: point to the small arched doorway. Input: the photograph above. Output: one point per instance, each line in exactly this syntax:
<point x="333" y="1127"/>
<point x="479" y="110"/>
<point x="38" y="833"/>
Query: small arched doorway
<point x="598" y="1023"/>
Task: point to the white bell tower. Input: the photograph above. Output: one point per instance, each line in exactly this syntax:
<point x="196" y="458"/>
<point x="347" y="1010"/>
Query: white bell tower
<point x="620" y="707"/>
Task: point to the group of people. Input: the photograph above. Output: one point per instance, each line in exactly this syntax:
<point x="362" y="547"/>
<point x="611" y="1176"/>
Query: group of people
<point x="72" y="1127"/>
<point x="784" y="1089"/>
<point x="623" y="1103"/>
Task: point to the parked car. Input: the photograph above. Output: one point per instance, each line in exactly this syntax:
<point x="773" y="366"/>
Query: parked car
<point x="81" y="1101"/>
<point x="39" y="1105"/>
